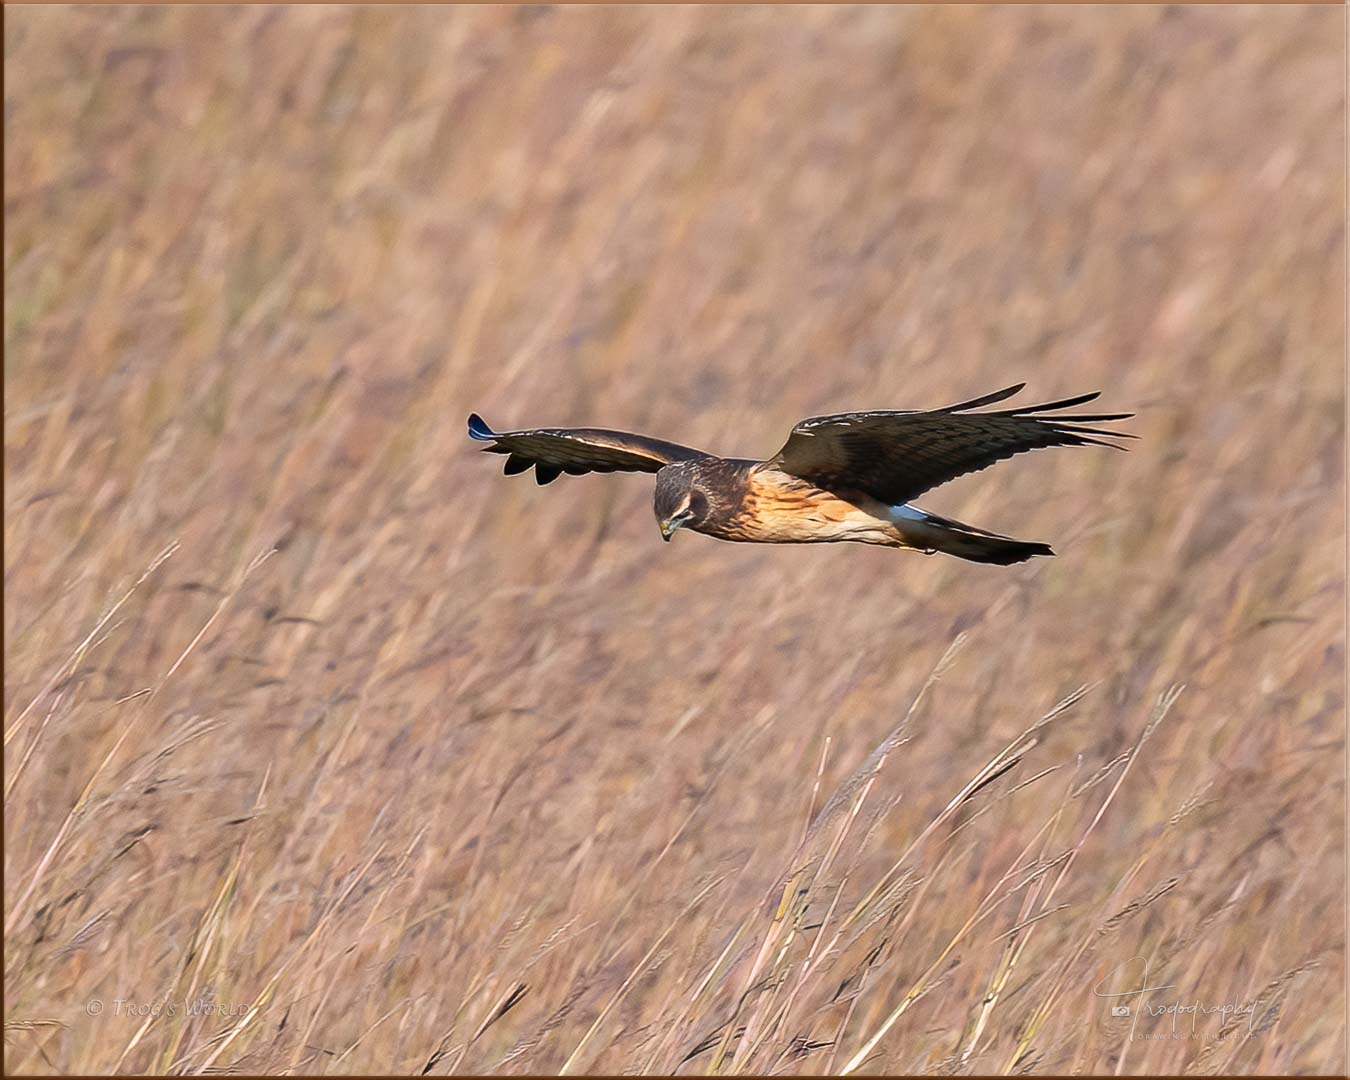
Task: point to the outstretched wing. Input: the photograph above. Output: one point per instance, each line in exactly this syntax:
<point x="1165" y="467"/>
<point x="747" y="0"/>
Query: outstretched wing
<point x="554" y="451"/>
<point x="896" y="456"/>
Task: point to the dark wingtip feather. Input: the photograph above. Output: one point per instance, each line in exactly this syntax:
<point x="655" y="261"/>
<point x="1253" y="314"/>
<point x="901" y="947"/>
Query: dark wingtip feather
<point x="1066" y="403"/>
<point x="1034" y="412"/>
<point x="1093" y="418"/>
<point x="478" y="428"/>
<point x="1073" y="429"/>
<point x="1084" y="440"/>
<point x="987" y="399"/>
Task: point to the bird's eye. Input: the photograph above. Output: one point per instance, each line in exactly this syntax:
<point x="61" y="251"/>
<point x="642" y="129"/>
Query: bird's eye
<point x="698" y="503"/>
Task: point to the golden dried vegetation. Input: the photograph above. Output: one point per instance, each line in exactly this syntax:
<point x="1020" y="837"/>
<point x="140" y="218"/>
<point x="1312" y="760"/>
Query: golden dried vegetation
<point x="328" y="749"/>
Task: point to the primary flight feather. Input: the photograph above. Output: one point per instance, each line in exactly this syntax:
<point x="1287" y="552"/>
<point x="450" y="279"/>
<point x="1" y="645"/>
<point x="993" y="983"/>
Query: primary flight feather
<point x="847" y="477"/>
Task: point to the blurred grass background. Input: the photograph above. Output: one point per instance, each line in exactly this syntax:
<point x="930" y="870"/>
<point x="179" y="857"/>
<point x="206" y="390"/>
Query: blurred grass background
<point x="473" y="776"/>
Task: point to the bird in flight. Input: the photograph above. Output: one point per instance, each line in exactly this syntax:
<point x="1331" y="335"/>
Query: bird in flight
<point x="850" y="476"/>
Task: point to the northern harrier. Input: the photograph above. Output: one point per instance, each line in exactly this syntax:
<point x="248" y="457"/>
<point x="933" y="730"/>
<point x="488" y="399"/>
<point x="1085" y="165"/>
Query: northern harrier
<point x="844" y="477"/>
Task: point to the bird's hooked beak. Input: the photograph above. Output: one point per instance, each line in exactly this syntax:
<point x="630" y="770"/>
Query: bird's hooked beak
<point x="669" y="526"/>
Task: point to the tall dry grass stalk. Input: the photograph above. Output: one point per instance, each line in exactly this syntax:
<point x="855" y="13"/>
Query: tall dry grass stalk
<point x="329" y="750"/>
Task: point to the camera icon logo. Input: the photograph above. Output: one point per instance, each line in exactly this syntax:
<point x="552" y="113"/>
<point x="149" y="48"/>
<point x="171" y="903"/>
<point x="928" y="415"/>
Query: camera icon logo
<point x="1120" y="1010"/>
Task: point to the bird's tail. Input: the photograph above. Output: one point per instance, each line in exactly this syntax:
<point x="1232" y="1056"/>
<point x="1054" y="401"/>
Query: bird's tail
<point x="936" y="533"/>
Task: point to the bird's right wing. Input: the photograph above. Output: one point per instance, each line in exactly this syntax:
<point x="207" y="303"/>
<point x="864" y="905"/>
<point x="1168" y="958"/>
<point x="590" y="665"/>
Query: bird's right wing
<point x="554" y="451"/>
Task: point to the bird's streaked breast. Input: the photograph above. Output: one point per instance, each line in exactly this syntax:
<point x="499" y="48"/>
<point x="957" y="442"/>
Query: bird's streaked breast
<point x="778" y="508"/>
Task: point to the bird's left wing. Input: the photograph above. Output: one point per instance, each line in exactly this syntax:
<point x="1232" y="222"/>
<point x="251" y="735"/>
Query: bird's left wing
<point x="897" y="456"/>
<point x="554" y="451"/>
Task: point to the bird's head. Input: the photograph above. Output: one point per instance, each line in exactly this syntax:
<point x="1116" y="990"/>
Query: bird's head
<point x="680" y="501"/>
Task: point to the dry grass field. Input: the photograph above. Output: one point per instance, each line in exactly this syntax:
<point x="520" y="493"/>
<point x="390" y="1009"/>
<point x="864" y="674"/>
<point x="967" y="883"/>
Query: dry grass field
<point x="328" y="749"/>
